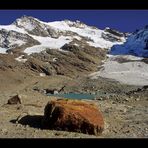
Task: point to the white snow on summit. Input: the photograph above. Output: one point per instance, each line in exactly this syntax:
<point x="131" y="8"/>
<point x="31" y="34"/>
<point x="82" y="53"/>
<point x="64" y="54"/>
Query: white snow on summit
<point x="86" y="31"/>
<point x="47" y="42"/>
<point x="25" y="24"/>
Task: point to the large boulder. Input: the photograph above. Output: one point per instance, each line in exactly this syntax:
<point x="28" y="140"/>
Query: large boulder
<point x="73" y="115"/>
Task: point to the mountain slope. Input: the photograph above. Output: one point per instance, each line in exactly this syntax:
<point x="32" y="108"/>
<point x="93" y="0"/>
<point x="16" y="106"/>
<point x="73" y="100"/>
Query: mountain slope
<point x="127" y="63"/>
<point x="53" y="34"/>
<point x="55" y="48"/>
<point x="136" y="44"/>
<point x="126" y="69"/>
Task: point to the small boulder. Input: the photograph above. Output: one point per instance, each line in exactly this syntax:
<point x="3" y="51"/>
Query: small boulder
<point x="74" y="116"/>
<point x="15" y="100"/>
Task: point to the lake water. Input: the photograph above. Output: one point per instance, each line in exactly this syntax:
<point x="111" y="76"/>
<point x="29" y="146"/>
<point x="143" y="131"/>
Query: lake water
<point x="74" y="96"/>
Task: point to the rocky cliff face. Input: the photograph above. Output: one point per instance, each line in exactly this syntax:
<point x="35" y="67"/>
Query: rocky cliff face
<point x="60" y="47"/>
<point x="35" y="27"/>
<point x="113" y="35"/>
<point x="12" y="39"/>
<point x="31" y="30"/>
<point x="73" y="62"/>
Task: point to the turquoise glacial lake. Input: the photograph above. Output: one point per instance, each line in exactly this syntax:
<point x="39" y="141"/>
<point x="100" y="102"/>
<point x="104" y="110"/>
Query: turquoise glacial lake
<point x="74" y="95"/>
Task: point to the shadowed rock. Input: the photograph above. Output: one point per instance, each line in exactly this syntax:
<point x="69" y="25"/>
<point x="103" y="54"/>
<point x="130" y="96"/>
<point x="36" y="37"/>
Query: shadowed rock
<point x="72" y="115"/>
<point x="31" y="120"/>
<point x="14" y="100"/>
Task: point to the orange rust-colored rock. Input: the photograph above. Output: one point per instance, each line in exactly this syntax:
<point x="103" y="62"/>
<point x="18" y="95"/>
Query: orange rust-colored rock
<point x="72" y="115"/>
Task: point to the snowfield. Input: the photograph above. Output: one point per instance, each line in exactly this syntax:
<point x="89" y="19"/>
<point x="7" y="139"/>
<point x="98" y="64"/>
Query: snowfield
<point x="85" y="31"/>
<point x="13" y="28"/>
<point x="47" y="42"/>
<point x="134" y="72"/>
<point x="3" y="50"/>
<point x="23" y="25"/>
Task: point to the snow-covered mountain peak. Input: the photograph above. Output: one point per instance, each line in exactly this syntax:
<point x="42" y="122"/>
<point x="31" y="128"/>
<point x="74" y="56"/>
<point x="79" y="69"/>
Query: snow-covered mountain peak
<point x="36" y="27"/>
<point x="26" y="22"/>
<point x="26" y="18"/>
<point x="114" y="32"/>
<point x="52" y="34"/>
<point x="77" y="24"/>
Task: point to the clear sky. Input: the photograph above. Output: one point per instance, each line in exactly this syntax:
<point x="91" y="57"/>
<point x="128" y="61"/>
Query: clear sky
<point x="122" y="20"/>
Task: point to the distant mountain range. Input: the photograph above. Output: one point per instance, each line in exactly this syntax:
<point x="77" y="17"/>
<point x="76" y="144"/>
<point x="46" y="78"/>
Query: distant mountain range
<point x="29" y="35"/>
<point x="74" y="49"/>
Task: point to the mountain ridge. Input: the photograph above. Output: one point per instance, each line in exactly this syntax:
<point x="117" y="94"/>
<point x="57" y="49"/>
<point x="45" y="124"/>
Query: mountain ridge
<point x="54" y="30"/>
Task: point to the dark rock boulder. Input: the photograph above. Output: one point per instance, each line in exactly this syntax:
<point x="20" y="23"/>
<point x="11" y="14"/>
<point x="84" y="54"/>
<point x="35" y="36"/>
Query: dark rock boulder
<point x="51" y="91"/>
<point x="114" y="32"/>
<point x="72" y="115"/>
<point x="14" y="100"/>
<point x="69" y="47"/>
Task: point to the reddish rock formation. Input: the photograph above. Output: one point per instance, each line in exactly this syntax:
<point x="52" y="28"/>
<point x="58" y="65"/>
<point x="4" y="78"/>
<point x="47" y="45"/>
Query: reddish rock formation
<point x="72" y="115"/>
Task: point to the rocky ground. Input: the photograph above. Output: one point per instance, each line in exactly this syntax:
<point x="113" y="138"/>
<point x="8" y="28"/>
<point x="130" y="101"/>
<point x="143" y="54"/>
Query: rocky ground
<point x="125" y="109"/>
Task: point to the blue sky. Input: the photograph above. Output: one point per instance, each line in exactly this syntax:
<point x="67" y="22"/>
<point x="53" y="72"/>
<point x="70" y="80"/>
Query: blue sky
<point x="122" y="20"/>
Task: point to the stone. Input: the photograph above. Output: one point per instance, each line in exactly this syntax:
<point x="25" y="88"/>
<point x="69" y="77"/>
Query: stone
<point x="15" y="100"/>
<point x="137" y="99"/>
<point x="4" y="131"/>
<point x="27" y="126"/>
<point x="55" y="92"/>
<point x="74" y="116"/>
<point x="126" y="99"/>
<point x="51" y="91"/>
<point x="124" y="110"/>
<point x="99" y="98"/>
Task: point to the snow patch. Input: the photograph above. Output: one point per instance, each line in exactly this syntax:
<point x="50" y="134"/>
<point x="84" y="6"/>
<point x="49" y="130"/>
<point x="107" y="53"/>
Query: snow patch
<point x="21" y="59"/>
<point x="47" y="42"/>
<point x="13" y="28"/>
<point x="77" y="37"/>
<point x="131" y="73"/>
<point x="126" y="57"/>
<point x="54" y="59"/>
<point x="3" y="50"/>
<point x="26" y="24"/>
<point x="34" y="49"/>
<point x="91" y="33"/>
<point x="101" y="43"/>
<point x="18" y="42"/>
<point x="42" y="74"/>
<point x="76" y="44"/>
